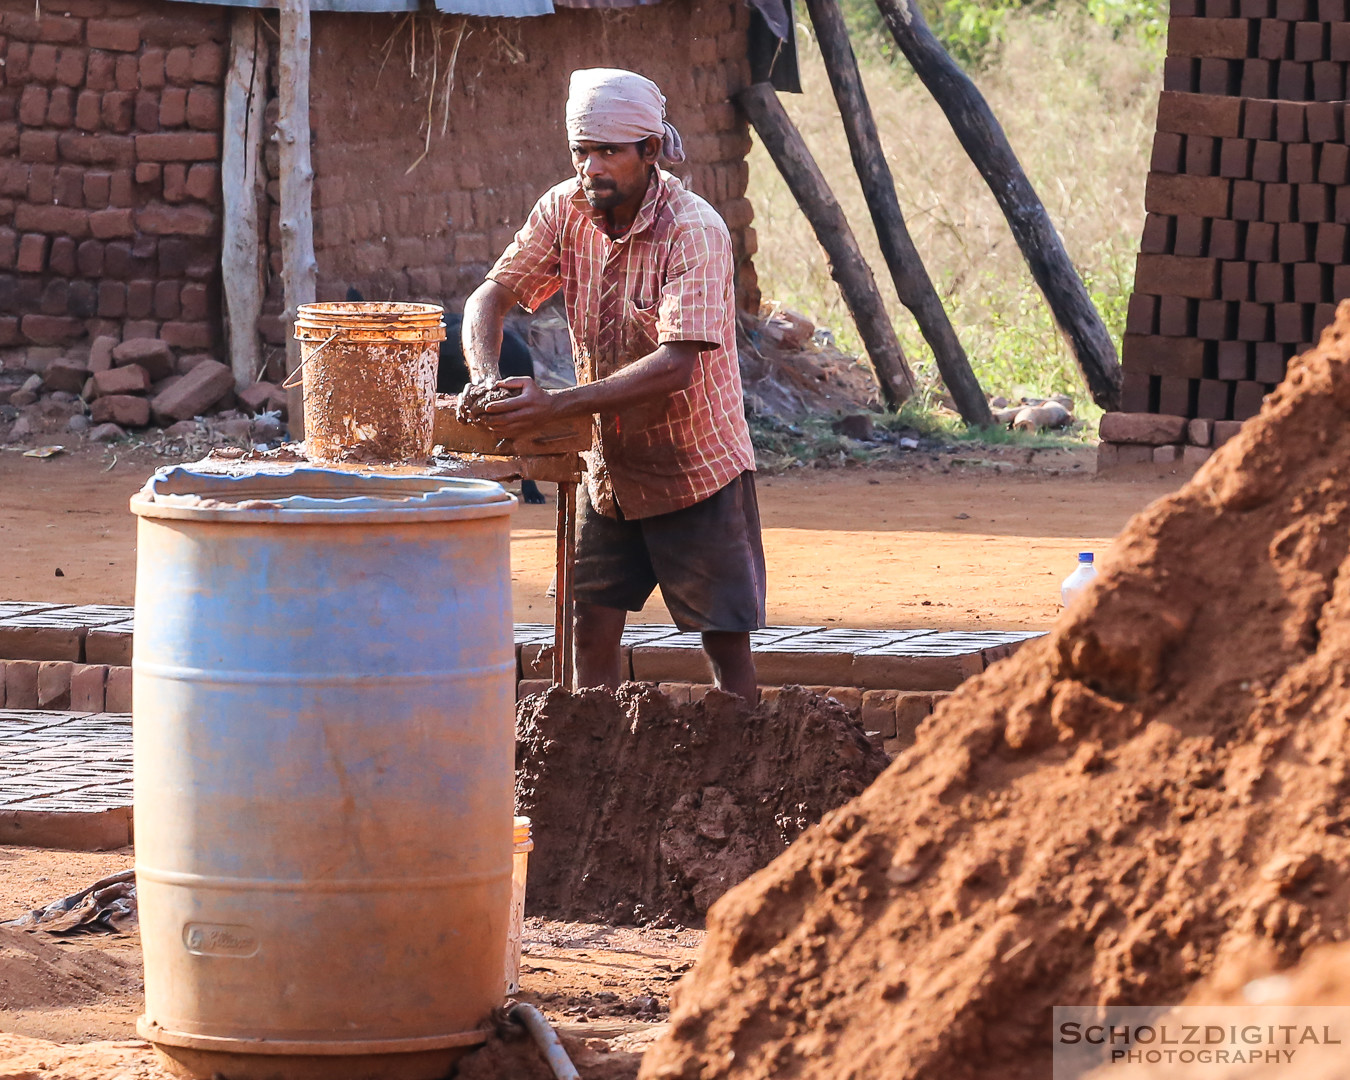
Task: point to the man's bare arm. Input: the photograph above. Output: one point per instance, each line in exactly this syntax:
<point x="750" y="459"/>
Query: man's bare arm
<point x="667" y="370"/>
<point x="481" y="335"/>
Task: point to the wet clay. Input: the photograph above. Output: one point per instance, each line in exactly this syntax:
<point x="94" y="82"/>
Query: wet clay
<point x="647" y="811"/>
<point x="474" y="400"/>
<point x="1157" y="787"/>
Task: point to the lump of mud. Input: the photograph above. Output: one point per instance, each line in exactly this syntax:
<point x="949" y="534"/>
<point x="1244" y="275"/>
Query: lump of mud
<point x="475" y="398"/>
<point x="1159" y="785"/>
<point x="648" y="811"/>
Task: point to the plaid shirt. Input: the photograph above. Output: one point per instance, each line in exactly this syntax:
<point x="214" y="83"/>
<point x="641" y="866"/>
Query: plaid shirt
<point x="667" y="279"/>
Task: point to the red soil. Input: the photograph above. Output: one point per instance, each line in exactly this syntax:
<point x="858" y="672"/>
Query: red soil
<point x="1154" y="789"/>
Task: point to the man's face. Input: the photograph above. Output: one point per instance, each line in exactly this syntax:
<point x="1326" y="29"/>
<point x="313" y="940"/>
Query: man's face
<point x="614" y="173"/>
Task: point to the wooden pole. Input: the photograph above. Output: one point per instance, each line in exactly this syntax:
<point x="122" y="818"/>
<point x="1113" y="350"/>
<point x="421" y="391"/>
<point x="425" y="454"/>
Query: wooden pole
<point x="298" y="269"/>
<point x="241" y="257"/>
<point x="847" y="265"/>
<point x="984" y="141"/>
<point x="912" y="283"/>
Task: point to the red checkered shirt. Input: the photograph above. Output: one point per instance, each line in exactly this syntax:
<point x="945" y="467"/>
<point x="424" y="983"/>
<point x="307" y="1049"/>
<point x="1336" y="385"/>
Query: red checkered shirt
<point x="669" y="278"/>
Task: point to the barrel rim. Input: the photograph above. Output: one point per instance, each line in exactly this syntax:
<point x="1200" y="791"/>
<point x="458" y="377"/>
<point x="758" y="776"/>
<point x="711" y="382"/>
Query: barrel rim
<point x="326" y="496"/>
<point x="152" y="1031"/>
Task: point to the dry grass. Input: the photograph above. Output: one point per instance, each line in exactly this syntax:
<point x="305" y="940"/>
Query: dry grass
<point x="1078" y="106"/>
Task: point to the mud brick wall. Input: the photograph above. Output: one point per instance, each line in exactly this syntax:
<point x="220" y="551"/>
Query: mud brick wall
<point x="1248" y="203"/>
<point x="110" y="115"/>
<point x="433" y="233"/>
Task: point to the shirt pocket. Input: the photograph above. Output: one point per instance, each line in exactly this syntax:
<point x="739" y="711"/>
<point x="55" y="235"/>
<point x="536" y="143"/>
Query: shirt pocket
<point x="639" y="329"/>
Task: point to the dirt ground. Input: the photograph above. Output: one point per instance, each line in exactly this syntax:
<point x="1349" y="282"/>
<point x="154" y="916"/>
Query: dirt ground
<point x="973" y="540"/>
<point x="593" y="982"/>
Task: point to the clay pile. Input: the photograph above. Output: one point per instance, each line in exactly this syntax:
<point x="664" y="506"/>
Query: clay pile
<point x="1154" y="789"/>
<point x="647" y="811"/>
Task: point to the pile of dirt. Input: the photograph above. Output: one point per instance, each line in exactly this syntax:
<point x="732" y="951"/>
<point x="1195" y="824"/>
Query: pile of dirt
<point x="37" y="973"/>
<point x="1156" y="787"/>
<point x="647" y="811"/>
<point x="1250" y="993"/>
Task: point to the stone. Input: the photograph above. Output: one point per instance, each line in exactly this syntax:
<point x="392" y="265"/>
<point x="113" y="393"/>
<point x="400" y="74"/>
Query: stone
<point x="239" y="430"/>
<point x="21" y="679"/>
<point x="152" y="354"/>
<point x="269" y="429"/>
<point x="1200" y="432"/>
<point x="188" y="361"/>
<point x="129" y="379"/>
<point x="121" y="409"/>
<point x="1148" y="429"/>
<point x="205" y="385"/>
<point x="101" y="353"/>
<point x="183" y="429"/>
<point x="65" y="375"/>
<point x="117" y="690"/>
<point x="22" y="429"/>
<point x="87" y="687"/>
<point x="257" y="397"/>
<point x="1225" y="430"/>
<point x="77" y="423"/>
<point x="22" y="398"/>
<point x="878" y="712"/>
<point x="53" y="684"/>
<point x="1196" y="455"/>
<point x="33" y="383"/>
<point x="1166" y="455"/>
<point x="106" y="433"/>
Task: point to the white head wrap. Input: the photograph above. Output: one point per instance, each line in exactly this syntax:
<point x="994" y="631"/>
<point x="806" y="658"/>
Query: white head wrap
<point x="610" y="105"/>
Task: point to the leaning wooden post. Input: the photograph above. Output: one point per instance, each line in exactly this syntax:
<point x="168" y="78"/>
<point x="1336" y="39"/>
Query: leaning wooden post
<point x="912" y="283"/>
<point x="298" y="270"/>
<point x="847" y="266"/>
<point x="241" y="257"/>
<point x="983" y="139"/>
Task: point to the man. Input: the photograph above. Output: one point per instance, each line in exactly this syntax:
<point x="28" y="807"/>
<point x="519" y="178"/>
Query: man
<point x="645" y="268"/>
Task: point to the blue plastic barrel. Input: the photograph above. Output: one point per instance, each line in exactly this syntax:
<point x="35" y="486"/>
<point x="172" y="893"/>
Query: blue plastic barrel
<point x="324" y="690"/>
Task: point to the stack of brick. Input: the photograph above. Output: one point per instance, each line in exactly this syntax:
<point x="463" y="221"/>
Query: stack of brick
<point x="1248" y="202"/>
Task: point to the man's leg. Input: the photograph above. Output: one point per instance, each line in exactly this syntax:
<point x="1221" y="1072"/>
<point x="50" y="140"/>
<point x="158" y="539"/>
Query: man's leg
<point x="732" y="662"/>
<point x="599" y="632"/>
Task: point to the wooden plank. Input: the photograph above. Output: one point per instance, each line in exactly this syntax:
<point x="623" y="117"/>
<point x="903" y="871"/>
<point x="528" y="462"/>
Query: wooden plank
<point x="847" y="265"/>
<point x="912" y="283"/>
<point x="987" y="146"/>
<point x="561" y="437"/>
<point x="299" y="272"/>
<point x="241" y="257"/>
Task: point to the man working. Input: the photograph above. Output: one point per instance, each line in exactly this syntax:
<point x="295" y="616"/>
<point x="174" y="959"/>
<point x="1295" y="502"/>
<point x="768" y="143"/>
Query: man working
<point x="646" y="273"/>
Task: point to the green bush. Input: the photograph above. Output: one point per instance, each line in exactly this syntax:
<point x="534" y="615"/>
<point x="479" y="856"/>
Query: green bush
<point x="972" y="30"/>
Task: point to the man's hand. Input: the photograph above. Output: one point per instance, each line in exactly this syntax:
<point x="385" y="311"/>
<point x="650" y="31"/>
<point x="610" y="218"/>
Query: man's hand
<point x="528" y="409"/>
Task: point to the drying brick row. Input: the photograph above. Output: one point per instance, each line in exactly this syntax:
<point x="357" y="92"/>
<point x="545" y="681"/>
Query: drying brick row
<point x="1295" y="51"/>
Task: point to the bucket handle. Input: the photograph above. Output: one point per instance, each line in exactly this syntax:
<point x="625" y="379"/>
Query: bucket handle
<point x="288" y="384"/>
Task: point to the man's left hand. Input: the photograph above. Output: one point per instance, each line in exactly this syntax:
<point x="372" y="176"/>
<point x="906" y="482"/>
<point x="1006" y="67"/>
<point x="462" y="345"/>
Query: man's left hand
<point x="528" y="409"/>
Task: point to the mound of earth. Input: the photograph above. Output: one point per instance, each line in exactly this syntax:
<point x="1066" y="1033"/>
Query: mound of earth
<point x="36" y="973"/>
<point x="645" y="810"/>
<point x="1250" y="992"/>
<point x="1154" y="788"/>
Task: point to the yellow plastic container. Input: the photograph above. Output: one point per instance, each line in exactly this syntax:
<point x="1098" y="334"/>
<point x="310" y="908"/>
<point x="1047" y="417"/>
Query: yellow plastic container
<point x="522" y="845"/>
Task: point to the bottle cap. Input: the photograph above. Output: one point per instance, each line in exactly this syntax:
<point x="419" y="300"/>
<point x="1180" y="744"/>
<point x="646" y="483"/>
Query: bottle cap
<point x="1085" y="556"/>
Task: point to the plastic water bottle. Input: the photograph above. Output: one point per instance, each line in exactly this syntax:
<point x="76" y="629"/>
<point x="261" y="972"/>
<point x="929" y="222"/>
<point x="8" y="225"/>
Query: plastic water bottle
<point x="1079" y="580"/>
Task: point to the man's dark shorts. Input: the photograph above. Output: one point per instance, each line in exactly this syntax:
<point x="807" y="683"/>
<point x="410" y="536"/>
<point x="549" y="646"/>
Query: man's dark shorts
<point x="708" y="560"/>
